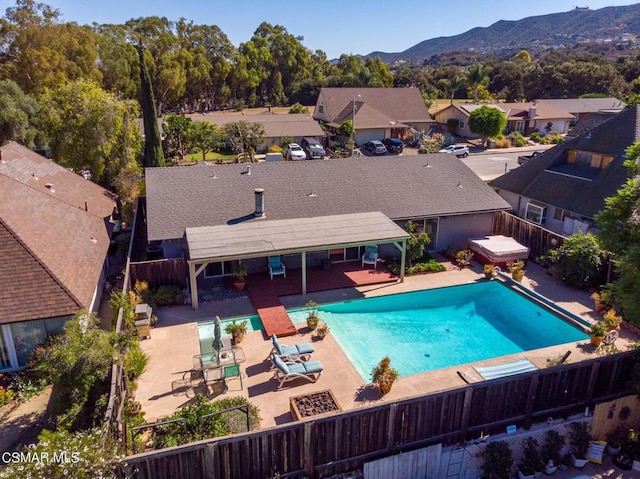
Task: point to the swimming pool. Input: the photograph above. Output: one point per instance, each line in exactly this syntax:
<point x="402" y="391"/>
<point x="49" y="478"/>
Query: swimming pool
<point x="433" y="329"/>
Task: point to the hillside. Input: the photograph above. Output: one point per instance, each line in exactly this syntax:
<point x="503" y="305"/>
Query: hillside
<point x="557" y="30"/>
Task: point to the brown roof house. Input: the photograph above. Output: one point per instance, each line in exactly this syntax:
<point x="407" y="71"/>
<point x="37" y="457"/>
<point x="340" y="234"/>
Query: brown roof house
<point x="276" y="126"/>
<point x="440" y="194"/>
<point x="54" y="235"/>
<point x="522" y="117"/>
<point x="580" y="107"/>
<point x="563" y="188"/>
<point x="376" y="113"/>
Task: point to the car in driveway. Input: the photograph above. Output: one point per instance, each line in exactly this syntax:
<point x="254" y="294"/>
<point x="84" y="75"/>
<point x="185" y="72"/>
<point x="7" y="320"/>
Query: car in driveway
<point x="295" y="152"/>
<point x="460" y="151"/>
<point x="312" y="148"/>
<point x="393" y="145"/>
<point x="374" y="147"/>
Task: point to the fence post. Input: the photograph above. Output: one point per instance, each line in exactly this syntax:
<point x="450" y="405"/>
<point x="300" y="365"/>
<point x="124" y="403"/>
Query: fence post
<point x="593" y="377"/>
<point x="390" y="426"/>
<point x="308" y="450"/>
<point x="531" y="400"/>
<point x="466" y="413"/>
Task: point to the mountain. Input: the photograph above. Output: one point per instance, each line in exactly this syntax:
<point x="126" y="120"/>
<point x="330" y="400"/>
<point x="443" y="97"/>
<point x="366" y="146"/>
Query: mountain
<point x="616" y="25"/>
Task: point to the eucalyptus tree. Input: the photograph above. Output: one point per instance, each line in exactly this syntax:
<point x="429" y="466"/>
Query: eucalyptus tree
<point x="18" y="115"/>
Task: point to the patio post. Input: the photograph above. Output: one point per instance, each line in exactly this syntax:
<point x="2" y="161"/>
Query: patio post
<point x="304" y="273"/>
<point x="403" y="259"/>
<point x="193" y="285"/>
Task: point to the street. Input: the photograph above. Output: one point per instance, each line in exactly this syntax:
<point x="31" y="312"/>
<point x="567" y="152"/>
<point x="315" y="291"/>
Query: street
<point x="496" y="163"/>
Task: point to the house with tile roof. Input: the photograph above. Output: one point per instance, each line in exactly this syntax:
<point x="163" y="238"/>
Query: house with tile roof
<point x="563" y="188"/>
<point x="580" y="107"/>
<point x="440" y="194"/>
<point x="376" y="113"/>
<point x="55" y="229"/>
<point x="521" y="117"/>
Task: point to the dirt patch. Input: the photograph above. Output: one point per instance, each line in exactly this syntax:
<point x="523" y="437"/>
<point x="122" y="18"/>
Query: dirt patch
<point x="21" y="423"/>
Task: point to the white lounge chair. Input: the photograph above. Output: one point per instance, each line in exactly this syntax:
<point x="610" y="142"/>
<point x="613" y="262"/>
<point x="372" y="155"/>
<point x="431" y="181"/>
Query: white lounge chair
<point x="494" y="372"/>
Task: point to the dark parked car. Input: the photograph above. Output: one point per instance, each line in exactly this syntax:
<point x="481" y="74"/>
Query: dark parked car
<point x="312" y="148"/>
<point x="393" y="145"/>
<point x="375" y="147"/>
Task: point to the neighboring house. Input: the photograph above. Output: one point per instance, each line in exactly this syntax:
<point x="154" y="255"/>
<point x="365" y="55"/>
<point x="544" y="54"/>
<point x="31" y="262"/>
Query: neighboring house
<point x="376" y="113"/>
<point x="565" y="187"/>
<point x="521" y="117"/>
<point x="276" y="127"/>
<point x="439" y="193"/>
<point x="579" y="107"/>
<point x="589" y="121"/>
<point x="55" y="234"/>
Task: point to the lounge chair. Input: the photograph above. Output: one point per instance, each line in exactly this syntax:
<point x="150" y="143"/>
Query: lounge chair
<point x="291" y="354"/>
<point x="370" y="256"/>
<point x="309" y="370"/>
<point x="494" y="372"/>
<point x="610" y="337"/>
<point x="276" y="267"/>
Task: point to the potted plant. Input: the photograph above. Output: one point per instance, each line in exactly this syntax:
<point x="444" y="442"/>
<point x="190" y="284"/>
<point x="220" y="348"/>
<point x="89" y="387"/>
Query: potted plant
<point x="551" y="449"/>
<point x="464" y="257"/>
<point x="240" y="277"/>
<point x="532" y="461"/>
<point x="322" y="330"/>
<point x="488" y="271"/>
<point x="580" y="440"/>
<point x="612" y="320"/>
<point x="312" y="315"/>
<point x="498" y="460"/>
<point x="599" y="304"/>
<point x="616" y="439"/>
<point x="237" y="330"/>
<point x="517" y="269"/>
<point x="383" y="375"/>
<point x="597" y="331"/>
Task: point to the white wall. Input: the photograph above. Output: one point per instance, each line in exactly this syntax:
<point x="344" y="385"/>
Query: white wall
<point x="561" y="126"/>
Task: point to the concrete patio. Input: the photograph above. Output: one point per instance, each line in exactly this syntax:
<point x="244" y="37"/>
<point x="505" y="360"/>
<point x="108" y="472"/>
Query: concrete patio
<point x="174" y="341"/>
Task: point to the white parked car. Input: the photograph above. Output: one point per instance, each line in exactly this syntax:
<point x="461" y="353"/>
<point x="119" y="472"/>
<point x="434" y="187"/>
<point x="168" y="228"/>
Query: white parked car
<point x="458" y="150"/>
<point x="295" y="152"/>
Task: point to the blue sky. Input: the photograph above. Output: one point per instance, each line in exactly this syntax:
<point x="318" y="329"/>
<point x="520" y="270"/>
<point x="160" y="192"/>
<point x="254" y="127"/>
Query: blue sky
<point x="334" y="26"/>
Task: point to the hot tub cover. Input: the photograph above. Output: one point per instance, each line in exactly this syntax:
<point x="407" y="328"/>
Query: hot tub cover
<point x="499" y="248"/>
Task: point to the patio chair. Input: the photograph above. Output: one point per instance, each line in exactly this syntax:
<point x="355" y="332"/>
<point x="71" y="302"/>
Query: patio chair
<point x="370" y="256"/>
<point x="276" y="267"/>
<point x="231" y="371"/>
<point x="310" y="371"/>
<point x="291" y="354"/>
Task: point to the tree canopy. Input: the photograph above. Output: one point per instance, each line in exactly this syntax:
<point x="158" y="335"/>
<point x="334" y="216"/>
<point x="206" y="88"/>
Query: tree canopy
<point x="244" y="137"/>
<point x="487" y="121"/>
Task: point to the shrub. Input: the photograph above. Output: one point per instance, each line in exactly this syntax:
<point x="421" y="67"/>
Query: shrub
<point x="430" y="266"/>
<point x="383" y="375"/>
<point x="89" y="455"/>
<point x="298" y="108"/>
<point x="535" y="136"/>
<point x="166" y="295"/>
<point x="276" y="149"/>
<point x="497" y="460"/>
<point x="214" y="426"/>
<point x="135" y="362"/>
<point x="128" y="302"/>
<point x="580" y="261"/>
<point x="517" y="139"/>
<point x="502" y="143"/>
<point x="27" y="384"/>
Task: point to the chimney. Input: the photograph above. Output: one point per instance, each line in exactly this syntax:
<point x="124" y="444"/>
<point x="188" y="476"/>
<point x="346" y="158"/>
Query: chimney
<point x="259" y="194"/>
<point x="532" y="112"/>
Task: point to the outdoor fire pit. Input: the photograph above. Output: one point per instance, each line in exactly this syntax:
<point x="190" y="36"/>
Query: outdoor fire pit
<point x="308" y="405"/>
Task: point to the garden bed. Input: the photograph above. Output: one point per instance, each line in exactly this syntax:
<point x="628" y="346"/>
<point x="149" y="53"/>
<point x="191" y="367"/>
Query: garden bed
<point x="308" y="405"/>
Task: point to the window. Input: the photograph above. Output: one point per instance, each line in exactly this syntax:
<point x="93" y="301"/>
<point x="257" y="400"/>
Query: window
<point x="461" y="124"/>
<point x="320" y="108"/>
<point x="213" y="270"/>
<point x="536" y="214"/>
<point x="596" y="160"/>
<point x="571" y="156"/>
<point x="559" y="214"/>
<point x="519" y="126"/>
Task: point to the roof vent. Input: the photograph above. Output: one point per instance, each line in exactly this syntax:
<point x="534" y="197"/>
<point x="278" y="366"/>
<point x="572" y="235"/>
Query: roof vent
<point x="259" y="195"/>
<point x="86" y="205"/>
<point x="248" y="170"/>
<point x="49" y="186"/>
<point x="459" y="184"/>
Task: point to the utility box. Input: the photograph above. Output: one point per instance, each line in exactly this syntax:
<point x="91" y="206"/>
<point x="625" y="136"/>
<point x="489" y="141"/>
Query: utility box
<point x="143" y="320"/>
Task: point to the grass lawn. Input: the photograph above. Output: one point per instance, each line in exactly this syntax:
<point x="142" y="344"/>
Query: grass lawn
<point x="193" y="158"/>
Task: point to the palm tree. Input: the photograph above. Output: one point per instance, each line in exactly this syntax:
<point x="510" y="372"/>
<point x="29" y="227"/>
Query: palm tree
<point x="476" y="76"/>
<point x="450" y="87"/>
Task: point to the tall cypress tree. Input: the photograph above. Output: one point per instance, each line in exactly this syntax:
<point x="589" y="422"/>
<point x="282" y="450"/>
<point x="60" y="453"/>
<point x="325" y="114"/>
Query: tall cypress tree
<point x="153" y="154"/>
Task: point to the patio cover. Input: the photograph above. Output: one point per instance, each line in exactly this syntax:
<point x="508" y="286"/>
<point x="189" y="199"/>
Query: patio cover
<point x="259" y="238"/>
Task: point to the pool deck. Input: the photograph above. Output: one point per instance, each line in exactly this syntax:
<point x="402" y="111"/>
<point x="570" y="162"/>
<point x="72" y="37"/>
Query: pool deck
<point x="174" y="341"/>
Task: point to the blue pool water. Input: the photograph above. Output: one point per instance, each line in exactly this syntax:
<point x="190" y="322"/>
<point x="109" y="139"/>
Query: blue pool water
<point x="433" y="329"/>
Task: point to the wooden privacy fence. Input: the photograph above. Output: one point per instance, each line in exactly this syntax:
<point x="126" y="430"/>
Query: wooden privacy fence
<point x="538" y="239"/>
<point x="160" y="272"/>
<point x="345" y="441"/>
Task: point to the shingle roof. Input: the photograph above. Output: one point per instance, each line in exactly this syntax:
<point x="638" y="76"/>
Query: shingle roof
<point x="520" y="111"/>
<point x="541" y="178"/>
<point x="590" y="121"/>
<point x="586" y="105"/>
<point x="366" y="117"/>
<point x="275" y="126"/>
<point x="405" y="105"/>
<point x="400" y="187"/>
<point x="44" y="211"/>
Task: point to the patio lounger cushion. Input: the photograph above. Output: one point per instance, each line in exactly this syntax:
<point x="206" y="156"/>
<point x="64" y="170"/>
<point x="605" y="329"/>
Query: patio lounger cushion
<point x="293" y="352"/>
<point x="309" y="370"/>
<point x="494" y="372"/>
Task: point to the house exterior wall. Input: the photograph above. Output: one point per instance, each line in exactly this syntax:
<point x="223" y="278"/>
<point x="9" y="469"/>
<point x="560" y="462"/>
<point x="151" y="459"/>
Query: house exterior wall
<point x="456" y="230"/>
<point x="364" y="135"/>
<point x="448" y="113"/>
<point x="561" y="126"/>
